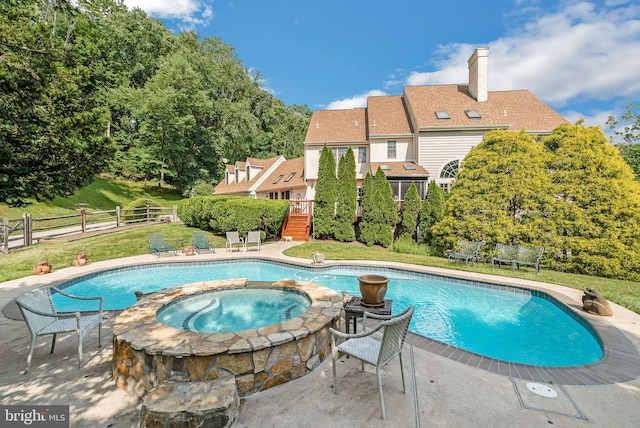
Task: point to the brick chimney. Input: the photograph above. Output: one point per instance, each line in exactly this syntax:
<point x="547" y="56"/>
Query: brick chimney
<point x="478" y="74"/>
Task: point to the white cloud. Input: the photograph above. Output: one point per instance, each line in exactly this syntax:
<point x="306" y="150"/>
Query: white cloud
<point x="594" y="118"/>
<point x="579" y="52"/>
<point x="191" y="12"/>
<point x="355" y="101"/>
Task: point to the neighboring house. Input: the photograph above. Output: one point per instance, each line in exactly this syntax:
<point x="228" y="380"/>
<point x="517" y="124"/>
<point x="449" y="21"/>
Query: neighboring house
<point x="273" y="178"/>
<point x="425" y="133"/>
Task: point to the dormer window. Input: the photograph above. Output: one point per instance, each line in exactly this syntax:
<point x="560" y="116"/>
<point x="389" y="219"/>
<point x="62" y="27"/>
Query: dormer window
<point x="441" y="115"/>
<point x="473" y="114"/>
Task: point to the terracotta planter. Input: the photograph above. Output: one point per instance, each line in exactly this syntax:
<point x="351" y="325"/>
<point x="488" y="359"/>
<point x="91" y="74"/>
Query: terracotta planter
<point x="373" y="288"/>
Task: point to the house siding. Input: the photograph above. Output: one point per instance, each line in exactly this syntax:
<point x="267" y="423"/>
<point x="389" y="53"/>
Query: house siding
<point x="436" y="149"/>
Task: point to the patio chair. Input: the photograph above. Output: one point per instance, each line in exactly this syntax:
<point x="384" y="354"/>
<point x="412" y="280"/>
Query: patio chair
<point x="505" y="253"/>
<point x="202" y="243"/>
<point x="465" y="250"/>
<point x="378" y="353"/>
<point x="252" y="238"/>
<point x="233" y="238"/>
<point x="157" y="245"/>
<point x="42" y="318"/>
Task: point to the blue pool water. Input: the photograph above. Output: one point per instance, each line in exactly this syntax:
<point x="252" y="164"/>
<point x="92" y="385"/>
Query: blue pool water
<point x="233" y="310"/>
<point x="510" y="326"/>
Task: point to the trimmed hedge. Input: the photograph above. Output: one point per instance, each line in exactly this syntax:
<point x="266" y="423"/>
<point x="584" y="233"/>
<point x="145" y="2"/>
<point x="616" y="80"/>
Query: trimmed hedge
<point x="221" y="214"/>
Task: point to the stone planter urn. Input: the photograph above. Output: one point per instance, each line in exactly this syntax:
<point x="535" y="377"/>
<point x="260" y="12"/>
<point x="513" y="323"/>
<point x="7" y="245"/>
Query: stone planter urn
<point x="373" y="288"/>
<point x="318" y="258"/>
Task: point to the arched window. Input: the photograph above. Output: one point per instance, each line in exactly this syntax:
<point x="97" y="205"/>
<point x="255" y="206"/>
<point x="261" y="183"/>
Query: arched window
<point x="450" y="170"/>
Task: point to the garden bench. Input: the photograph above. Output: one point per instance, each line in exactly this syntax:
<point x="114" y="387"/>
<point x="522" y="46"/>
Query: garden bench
<point x="518" y="255"/>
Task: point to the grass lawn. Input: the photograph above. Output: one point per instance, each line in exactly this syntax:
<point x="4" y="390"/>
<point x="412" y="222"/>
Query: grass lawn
<point x="130" y="242"/>
<point x="100" y="195"/>
<point x="125" y="243"/>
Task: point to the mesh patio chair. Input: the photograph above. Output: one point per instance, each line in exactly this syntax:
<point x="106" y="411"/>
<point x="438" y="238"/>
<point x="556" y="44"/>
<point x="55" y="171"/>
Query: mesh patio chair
<point x="201" y="242"/>
<point x="465" y="250"/>
<point x="42" y="319"/>
<point x="233" y="238"/>
<point x="252" y="238"/>
<point x="372" y="351"/>
<point x="157" y="245"/>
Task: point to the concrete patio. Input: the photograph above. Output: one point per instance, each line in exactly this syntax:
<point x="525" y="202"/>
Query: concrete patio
<point x="441" y="391"/>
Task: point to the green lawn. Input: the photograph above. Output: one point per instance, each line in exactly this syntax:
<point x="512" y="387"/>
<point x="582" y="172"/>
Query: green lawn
<point x="124" y="243"/>
<point x="19" y="263"/>
<point x="100" y="195"/>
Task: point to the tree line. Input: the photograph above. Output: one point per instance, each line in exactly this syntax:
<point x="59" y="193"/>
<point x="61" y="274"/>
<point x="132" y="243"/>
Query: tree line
<point x="382" y="221"/>
<point x="93" y="87"/>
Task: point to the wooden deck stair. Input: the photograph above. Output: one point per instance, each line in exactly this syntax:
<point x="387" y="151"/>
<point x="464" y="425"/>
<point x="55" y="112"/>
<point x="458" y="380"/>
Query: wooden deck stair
<point x="297" y="225"/>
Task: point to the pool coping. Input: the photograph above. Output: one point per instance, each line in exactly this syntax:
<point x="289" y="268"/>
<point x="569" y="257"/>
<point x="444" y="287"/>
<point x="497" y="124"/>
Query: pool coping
<point x="620" y="362"/>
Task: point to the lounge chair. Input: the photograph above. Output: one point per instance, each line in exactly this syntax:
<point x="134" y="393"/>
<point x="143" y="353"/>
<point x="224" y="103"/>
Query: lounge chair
<point x="42" y="318"/>
<point x="378" y="353"/>
<point x="465" y="250"/>
<point x="252" y="238"/>
<point x="233" y="238"/>
<point x="157" y="245"/>
<point x="202" y="243"/>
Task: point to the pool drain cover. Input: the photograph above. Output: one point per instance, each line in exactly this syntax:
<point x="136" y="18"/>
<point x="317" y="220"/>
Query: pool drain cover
<point x="542" y="390"/>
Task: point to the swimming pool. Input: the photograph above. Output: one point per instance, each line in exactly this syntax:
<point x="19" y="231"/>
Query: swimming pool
<point x="506" y="323"/>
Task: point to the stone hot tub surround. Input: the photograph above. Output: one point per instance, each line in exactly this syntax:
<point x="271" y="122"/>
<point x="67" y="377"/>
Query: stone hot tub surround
<point x="147" y="353"/>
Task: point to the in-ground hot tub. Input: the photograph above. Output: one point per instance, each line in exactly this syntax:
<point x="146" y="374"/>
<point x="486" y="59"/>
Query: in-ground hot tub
<point x="147" y="353"/>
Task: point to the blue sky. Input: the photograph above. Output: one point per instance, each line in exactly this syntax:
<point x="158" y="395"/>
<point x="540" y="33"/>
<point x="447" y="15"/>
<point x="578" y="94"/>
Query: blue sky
<point x="580" y="57"/>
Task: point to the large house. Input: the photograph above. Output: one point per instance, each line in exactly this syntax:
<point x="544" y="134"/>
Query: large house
<point x="419" y="136"/>
<point x="425" y="133"/>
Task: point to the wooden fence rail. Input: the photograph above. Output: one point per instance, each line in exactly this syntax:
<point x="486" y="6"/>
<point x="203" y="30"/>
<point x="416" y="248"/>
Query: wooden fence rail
<point x="25" y="231"/>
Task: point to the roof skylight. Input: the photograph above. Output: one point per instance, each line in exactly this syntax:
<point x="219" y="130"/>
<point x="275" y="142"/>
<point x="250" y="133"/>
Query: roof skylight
<point x="290" y="177"/>
<point x="409" y="167"/>
<point x="473" y="114"/>
<point x="441" y="114"/>
<point x="277" y="180"/>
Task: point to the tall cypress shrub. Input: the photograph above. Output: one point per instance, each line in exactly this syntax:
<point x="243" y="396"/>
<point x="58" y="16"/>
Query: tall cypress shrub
<point x="347" y="197"/>
<point x="387" y="209"/>
<point x="432" y="211"/>
<point x="368" y="226"/>
<point x="325" y="198"/>
<point x="410" y="212"/>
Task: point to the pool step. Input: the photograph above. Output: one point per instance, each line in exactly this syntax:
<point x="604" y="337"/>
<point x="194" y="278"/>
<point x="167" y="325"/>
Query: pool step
<point x="205" y="403"/>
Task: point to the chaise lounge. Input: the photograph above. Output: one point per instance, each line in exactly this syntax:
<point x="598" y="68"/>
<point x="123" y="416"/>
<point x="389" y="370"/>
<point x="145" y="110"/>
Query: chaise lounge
<point x="157" y="245"/>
